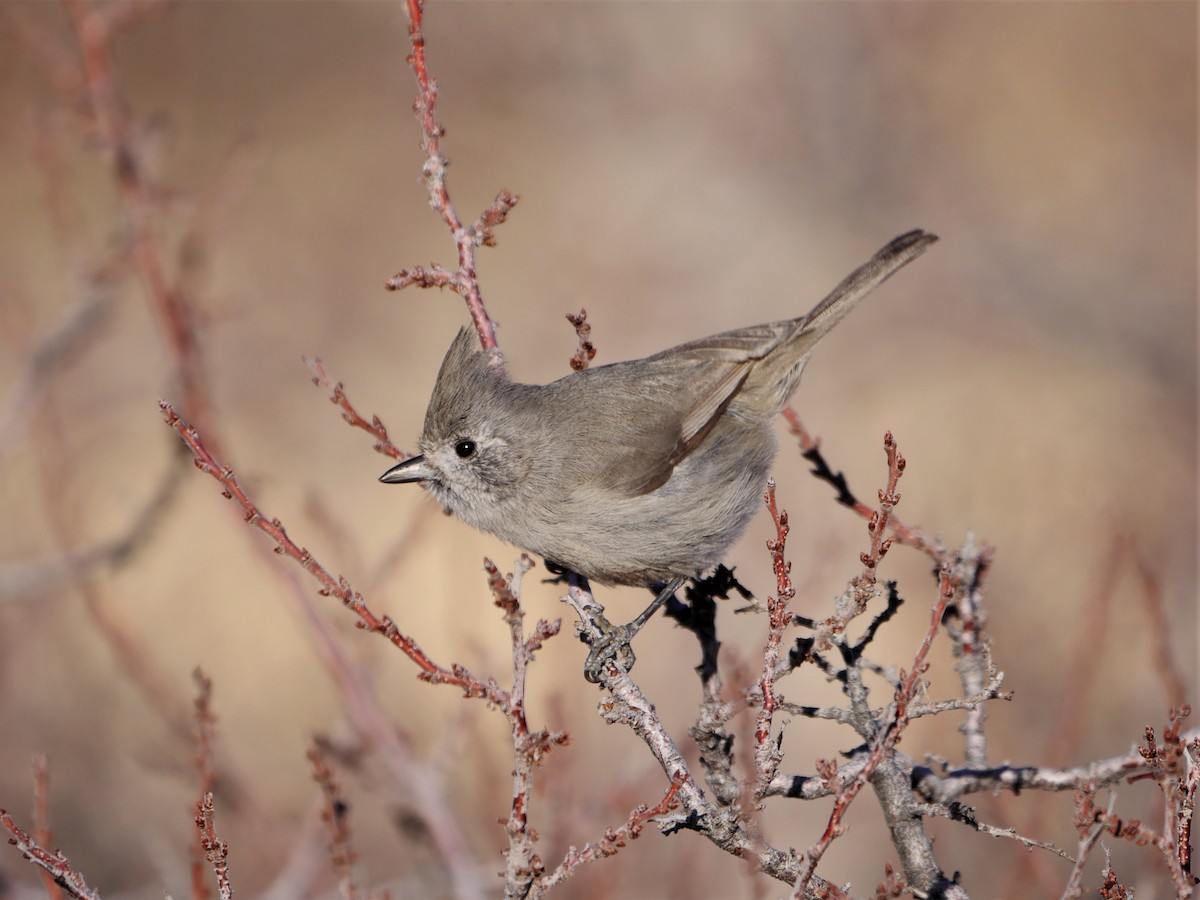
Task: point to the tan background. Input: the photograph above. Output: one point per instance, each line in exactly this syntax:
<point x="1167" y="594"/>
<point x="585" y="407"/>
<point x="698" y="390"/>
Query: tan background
<point x="685" y="168"/>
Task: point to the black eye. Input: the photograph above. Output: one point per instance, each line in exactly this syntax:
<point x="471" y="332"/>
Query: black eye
<point x="465" y="448"/>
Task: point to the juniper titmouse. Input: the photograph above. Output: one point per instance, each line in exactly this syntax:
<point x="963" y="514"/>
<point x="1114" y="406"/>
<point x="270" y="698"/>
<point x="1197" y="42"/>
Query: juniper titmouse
<point x="635" y="473"/>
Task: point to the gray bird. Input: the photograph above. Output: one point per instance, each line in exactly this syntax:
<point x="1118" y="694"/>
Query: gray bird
<point x="637" y="473"/>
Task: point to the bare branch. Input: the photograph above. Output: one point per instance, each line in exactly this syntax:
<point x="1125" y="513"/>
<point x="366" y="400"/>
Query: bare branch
<point x="57" y="865"/>
<point x="482" y="232"/>
<point x="216" y="850"/>
<point x="352" y="416"/>
<point x="586" y="351"/>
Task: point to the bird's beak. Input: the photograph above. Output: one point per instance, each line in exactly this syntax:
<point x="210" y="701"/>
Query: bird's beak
<point x="413" y="469"/>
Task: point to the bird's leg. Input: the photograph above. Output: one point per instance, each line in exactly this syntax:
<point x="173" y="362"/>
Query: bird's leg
<point x="613" y="640"/>
<point x="560" y="574"/>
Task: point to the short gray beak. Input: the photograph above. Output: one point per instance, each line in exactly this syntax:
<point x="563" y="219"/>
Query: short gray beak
<point x="412" y="469"/>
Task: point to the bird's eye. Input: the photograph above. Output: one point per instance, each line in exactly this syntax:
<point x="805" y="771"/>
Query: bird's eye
<point x="465" y="448"/>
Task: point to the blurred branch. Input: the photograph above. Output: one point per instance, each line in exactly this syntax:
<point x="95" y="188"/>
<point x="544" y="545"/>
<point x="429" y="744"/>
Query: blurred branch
<point x="94" y="26"/>
<point x="1174" y="683"/>
<point x="54" y="351"/>
<point x="336" y="816"/>
<point x="205" y="736"/>
<point x="42" y="832"/>
<point x="30" y="578"/>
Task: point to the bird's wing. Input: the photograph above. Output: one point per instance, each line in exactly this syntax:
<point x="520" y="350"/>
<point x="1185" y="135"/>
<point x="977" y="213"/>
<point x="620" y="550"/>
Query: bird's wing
<point x="660" y="419"/>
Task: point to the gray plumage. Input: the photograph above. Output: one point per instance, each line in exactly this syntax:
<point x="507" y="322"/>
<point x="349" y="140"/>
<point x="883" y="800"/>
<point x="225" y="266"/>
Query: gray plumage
<point x="635" y="472"/>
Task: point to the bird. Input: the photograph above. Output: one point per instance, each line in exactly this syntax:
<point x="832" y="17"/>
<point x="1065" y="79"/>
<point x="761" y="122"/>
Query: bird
<point x="642" y="472"/>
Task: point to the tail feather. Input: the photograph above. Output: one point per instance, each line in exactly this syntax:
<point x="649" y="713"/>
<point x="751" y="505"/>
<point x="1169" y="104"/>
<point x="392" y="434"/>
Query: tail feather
<point x="874" y="272"/>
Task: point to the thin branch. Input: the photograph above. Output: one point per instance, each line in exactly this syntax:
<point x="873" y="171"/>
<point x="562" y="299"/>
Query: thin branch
<point x="768" y="752"/>
<point x="467" y="238"/>
<point x="216" y="850"/>
<point x="54" y="351"/>
<point x="330" y="586"/>
<point x="206" y="729"/>
<point x="1174" y="684"/>
<point x="810" y="449"/>
<point x="586" y="351"/>
<point x="336" y="816"/>
<point x="337" y="395"/>
<point x="55" y="864"/>
<point x="612" y="842"/>
<point x="916" y="851"/>
<point x="522" y="865"/>
<point x="364" y="711"/>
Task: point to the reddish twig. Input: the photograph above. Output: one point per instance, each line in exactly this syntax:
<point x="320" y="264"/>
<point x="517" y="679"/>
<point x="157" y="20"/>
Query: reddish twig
<point x="57" y="865"/>
<point x="336" y="816"/>
<point x="467" y="238"/>
<point x="360" y="702"/>
<point x="863" y="588"/>
<point x="810" y="448"/>
<point x="352" y="416"/>
<point x="586" y="351"/>
<point x="337" y="587"/>
<point x="613" y="840"/>
<point x="1174" y="763"/>
<point x="216" y="851"/>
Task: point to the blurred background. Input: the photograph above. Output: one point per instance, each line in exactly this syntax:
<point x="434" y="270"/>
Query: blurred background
<point x="684" y="169"/>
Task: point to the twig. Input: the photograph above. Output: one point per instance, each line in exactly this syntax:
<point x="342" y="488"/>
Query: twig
<point x="915" y="848"/>
<point x="586" y="351"/>
<point x="612" y="842"/>
<point x="56" y="349"/>
<point x="94" y="26"/>
<point x="360" y="703"/>
<point x="336" y="816"/>
<point x="1161" y="628"/>
<point x="522" y="865"/>
<point x="352" y="416"/>
<point x="482" y="232"/>
<point x="810" y="449"/>
<point x="971" y="647"/>
<point x="1089" y="834"/>
<point x="57" y="865"/>
<point x="206" y="726"/>
<point x="337" y="587"/>
<point x="626" y="704"/>
<point x="768" y="752"/>
<point x="216" y="850"/>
